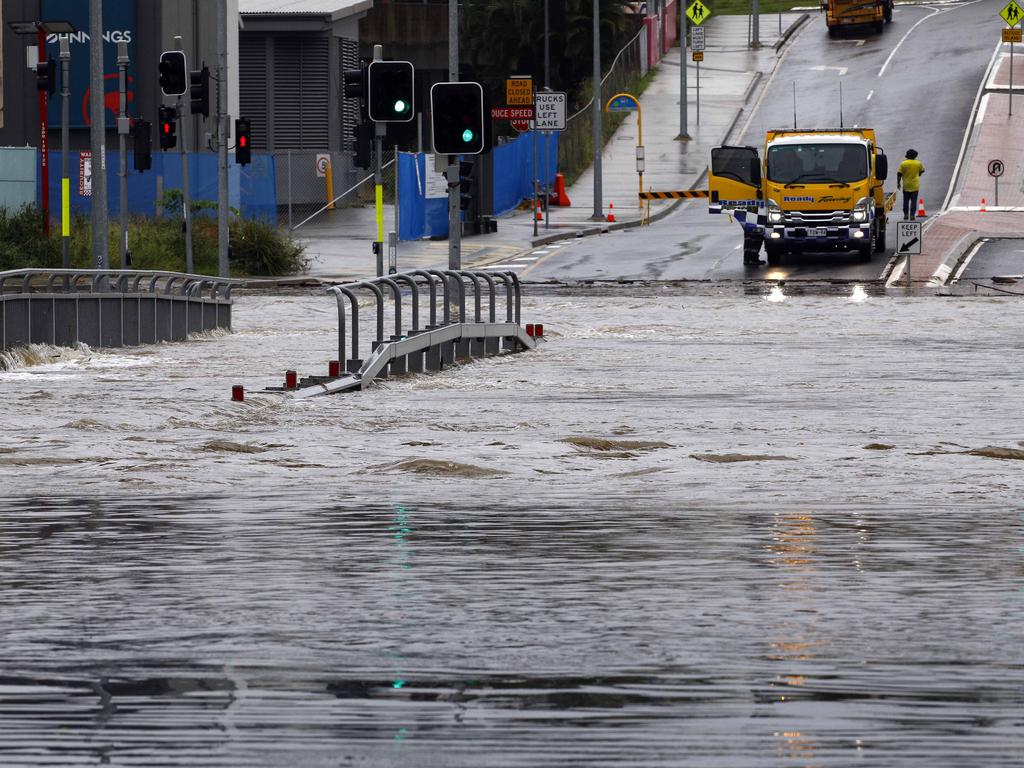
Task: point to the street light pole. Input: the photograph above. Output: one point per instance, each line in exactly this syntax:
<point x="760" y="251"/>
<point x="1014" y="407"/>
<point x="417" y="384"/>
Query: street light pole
<point x="97" y="137"/>
<point x="65" y="182"/>
<point x="598" y="202"/>
<point x="122" y="138"/>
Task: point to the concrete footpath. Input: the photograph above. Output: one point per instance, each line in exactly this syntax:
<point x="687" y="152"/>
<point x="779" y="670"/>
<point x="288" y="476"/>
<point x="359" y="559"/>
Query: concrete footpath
<point x="338" y="242"/>
<point x="994" y="135"/>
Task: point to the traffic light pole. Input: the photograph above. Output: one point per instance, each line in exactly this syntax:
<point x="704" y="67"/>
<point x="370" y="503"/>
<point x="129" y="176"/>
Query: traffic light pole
<point x="454" y="219"/>
<point x="223" y="123"/>
<point x="65" y="182"/>
<point x="379" y="130"/>
<point x="186" y="199"/>
<point x="97" y="137"/>
<point x="122" y="137"/>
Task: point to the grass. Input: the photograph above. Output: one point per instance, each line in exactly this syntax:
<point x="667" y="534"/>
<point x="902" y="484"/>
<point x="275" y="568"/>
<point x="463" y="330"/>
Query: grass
<point x="257" y="247"/>
<point x="742" y="7"/>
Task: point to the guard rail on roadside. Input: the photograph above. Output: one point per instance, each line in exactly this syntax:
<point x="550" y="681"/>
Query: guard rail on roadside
<point x="437" y="331"/>
<point x="109" y="308"/>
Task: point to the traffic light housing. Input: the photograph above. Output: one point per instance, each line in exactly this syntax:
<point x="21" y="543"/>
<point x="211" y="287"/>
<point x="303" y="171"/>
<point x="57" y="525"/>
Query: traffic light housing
<point x="46" y="76"/>
<point x="168" y="127"/>
<point x="466" y="183"/>
<point x="173" y="73"/>
<point x="199" y="90"/>
<point x="142" y="145"/>
<point x="355" y="86"/>
<point x="362" y="145"/>
<point x="390" y="91"/>
<point x="243" y="141"/>
<point x="457" y="120"/>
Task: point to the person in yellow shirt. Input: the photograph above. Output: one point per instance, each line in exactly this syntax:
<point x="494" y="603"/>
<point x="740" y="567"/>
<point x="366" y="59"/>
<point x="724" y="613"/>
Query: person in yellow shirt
<point x="908" y="176"/>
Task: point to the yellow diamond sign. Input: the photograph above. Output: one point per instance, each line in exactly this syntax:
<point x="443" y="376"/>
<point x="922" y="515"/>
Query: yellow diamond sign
<point x="1012" y="13"/>
<point x="698" y="13"/>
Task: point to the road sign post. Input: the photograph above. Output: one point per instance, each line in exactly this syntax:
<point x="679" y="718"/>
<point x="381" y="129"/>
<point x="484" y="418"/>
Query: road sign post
<point x="627" y="102"/>
<point x="1012" y="15"/>
<point x="550" y="116"/>
<point x="908" y="242"/>
<point x="995" y="170"/>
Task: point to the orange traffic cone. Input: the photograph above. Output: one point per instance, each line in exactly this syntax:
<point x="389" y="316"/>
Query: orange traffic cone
<point x="611" y="212"/>
<point x="920" y="208"/>
<point x="983" y="209"/>
<point x="540" y="214"/>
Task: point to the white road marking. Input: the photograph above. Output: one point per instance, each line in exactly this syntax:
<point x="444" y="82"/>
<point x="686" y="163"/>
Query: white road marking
<point x="771" y="78"/>
<point x="934" y="12"/>
<point x="541" y="252"/>
<point x="528" y="258"/>
<point x="942" y="273"/>
<point x="855" y="42"/>
<point x="823" y="68"/>
<point x="870" y="94"/>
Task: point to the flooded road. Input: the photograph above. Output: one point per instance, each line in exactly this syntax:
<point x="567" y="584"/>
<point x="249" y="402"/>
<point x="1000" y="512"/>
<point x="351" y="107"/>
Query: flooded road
<point x="707" y="530"/>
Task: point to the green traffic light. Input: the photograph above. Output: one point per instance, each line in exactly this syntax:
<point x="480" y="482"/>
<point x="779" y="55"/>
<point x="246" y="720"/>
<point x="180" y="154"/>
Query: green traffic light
<point x="401" y="106"/>
<point x="467" y="135"/>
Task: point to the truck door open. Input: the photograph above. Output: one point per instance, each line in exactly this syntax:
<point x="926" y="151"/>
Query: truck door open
<point x="734" y="180"/>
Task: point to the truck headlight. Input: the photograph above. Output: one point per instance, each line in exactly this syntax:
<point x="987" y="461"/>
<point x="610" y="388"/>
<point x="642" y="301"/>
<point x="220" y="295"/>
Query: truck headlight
<point x="774" y="212"/>
<point x="860" y="210"/>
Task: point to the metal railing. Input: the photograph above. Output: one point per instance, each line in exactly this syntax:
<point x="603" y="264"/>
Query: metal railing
<point x="119" y="281"/>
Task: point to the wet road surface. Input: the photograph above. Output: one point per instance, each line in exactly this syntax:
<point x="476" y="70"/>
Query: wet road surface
<point x="689" y="530"/>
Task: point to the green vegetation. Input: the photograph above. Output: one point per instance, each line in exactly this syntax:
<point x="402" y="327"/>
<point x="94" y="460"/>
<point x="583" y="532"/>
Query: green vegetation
<point x="258" y="247"/>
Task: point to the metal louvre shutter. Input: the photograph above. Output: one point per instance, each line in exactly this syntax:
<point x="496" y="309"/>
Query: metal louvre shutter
<point x="301" y="92"/>
<point x="349" y="107"/>
<point x="252" y="86"/>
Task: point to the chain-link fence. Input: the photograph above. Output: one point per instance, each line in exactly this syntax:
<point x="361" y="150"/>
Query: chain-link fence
<point x="309" y="182"/>
<point x="576" y="144"/>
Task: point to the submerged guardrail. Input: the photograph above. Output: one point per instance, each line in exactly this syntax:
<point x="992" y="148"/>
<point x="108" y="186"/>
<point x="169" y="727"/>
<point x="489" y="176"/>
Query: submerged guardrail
<point x="447" y="336"/>
<point x="109" y="308"/>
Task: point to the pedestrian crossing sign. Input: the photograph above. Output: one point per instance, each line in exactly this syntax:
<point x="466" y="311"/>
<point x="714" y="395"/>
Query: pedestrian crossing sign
<point x="1012" y="13"/>
<point x="698" y="13"/>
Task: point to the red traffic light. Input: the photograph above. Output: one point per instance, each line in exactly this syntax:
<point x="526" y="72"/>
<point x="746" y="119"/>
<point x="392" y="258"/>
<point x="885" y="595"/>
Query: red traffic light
<point x="243" y="141"/>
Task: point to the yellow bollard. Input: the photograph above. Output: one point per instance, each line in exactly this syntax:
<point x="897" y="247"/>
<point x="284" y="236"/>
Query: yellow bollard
<point x="65" y="204"/>
<point x="330" y="186"/>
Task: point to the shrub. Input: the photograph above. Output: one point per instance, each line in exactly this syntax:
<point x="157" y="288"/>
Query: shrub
<point x="22" y="243"/>
<point x="260" y="248"/>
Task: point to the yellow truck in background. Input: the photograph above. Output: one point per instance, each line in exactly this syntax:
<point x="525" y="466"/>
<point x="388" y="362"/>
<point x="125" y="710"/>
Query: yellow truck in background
<point x="814" y="190"/>
<point x="847" y="13"/>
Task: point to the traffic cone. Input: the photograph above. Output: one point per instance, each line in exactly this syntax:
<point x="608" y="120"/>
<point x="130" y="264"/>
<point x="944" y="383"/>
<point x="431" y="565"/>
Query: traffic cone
<point x="611" y="212"/>
<point x="540" y="213"/>
<point x="920" y="208"/>
<point x="983" y="209"/>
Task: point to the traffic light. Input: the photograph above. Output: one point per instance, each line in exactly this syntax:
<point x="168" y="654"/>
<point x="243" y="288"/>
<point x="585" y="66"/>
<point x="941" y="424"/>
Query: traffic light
<point x="46" y="76"/>
<point x="243" y="139"/>
<point x="168" y="128"/>
<point x="199" y="90"/>
<point x="173" y="73"/>
<point x="466" y="167"/>
<point x="362" y="145"/>
<point x="355" y="81"/>
<point x="457" y="120"/>
<point x="390" y="91"/>
<point x="142" y="145"/>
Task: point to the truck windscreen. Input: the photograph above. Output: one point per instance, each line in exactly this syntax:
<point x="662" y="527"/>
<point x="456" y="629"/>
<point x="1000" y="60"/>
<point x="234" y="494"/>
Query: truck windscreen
<point x="817" y="163"/>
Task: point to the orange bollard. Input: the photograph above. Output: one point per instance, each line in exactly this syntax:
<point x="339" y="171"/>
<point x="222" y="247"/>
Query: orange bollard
<point x="238" y="393"/>
<point x="540" y="213"/>
<point x="983" y="208"/>
<point x="920" y="208"/>
<point x="559" y="198"/>
<point x="611" y="212"/>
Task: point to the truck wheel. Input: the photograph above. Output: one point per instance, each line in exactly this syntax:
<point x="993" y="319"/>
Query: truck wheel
<point x="833" y="31"/>
<point x="887" y="13"/>
<point x="879" y="27"/>
<point x="866" y="249"/>
<point x="774" y="253"/>
<point x="880" y="239"/>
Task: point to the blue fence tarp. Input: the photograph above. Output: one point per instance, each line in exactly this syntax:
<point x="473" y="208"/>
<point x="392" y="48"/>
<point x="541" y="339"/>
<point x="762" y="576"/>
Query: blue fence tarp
<point x="420" y="216"/>
<point x="251" y="188"/>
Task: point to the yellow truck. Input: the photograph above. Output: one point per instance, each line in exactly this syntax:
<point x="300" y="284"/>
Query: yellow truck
<point x="847" y="13"/>
<point x="814" y="190"/>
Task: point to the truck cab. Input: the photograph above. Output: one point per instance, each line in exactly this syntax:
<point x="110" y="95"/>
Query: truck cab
<point x="846" y="13"/>
<point x="814" y="190"/>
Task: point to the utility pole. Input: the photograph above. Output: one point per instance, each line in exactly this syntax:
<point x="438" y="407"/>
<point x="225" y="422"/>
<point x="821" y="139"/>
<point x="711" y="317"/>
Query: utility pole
<point x="223" y="128"/>
<point x="186" y="198"/>
<point x="379" y="131"/>
<point x="122" y="138"/>
<point x="65" y="182"/>
<point x="97" y="137"/>
<point x="755" y="34"/>
<point x="598" y="202"/>
<point x="454" y="219"/>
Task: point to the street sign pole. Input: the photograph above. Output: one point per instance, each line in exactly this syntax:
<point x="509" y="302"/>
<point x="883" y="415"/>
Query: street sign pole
<point x="65" y="181"/>
<point x="97" y="137"/>
<point x="186" y="196"/>
<point x="122" y="139"/>
<point x="684" y="131"/>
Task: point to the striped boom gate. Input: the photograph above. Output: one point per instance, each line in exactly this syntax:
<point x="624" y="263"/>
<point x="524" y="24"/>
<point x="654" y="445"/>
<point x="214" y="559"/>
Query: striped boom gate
<point x="674" y="194"/>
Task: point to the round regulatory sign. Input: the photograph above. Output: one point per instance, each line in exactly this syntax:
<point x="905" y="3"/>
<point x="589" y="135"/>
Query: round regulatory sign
<point x="995" y="168"/>
<point x="520" y="125"/>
